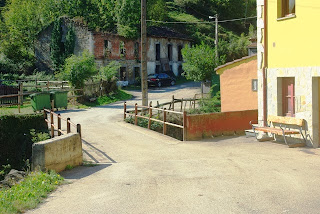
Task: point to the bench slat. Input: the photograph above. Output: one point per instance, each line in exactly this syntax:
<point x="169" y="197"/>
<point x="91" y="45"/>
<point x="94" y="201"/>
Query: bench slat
<point x="286" y="120"/>
<point x="277" y="131"/>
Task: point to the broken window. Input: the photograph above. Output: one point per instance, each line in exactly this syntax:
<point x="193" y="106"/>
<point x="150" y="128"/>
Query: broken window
<point x="286" y="8"/>
<point x="170" y="52"/>
<point x="122" y="49"/>
<point x="136" y="50"/>
<point x="157" y="52"/>
<point x="123" y="73"/>
<point x="180" y="58"/>
<point x="107" y="48"/>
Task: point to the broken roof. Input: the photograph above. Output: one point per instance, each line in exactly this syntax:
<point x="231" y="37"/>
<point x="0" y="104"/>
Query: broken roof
<point x="164" y="32"/>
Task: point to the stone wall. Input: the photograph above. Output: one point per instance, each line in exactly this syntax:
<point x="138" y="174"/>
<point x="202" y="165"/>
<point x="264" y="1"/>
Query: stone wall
<point x="57" y="153"/>
<point x="306" y="97"/>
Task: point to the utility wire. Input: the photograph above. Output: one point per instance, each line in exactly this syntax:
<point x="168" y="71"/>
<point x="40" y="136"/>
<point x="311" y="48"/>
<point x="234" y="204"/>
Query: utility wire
<point x="204" y="22"/>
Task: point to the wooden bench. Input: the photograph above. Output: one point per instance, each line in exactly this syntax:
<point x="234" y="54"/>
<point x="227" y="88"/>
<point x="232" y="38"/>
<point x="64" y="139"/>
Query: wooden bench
<point x="282" y="126"/>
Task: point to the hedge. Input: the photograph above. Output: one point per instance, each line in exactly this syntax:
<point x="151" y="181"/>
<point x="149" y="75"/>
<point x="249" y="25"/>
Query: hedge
<point x="15" y="138"/>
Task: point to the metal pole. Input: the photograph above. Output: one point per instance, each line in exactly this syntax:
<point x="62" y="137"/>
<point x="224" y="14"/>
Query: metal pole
<point x="144" y="72"/>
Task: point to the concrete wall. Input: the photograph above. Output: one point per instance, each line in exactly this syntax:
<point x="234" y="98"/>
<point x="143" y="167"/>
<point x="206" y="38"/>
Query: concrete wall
<point x="236" y="87"/>
<point x="217" y="124"/>
<point x="57" y="153"/>
<point x="289" y="45"/>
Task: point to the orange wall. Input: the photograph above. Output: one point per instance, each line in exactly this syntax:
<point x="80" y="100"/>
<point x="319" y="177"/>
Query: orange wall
<point x="217" y="124"/>
<point x="236" y="88"/>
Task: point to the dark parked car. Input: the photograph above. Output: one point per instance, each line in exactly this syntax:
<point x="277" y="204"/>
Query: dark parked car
<point x="160" y="79"/>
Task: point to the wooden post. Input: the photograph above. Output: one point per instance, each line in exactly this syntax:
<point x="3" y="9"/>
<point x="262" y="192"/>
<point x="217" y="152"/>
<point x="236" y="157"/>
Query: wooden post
<point x="124" y="110"/>
<point x="79" y="129"/>
<point x="164" y="121"/>
<point x="184" y="126"/>
<point x="59" y="124"/>
<point x="61" y="84"/>
<point x="181" y="104"/>
<point x="194" y="104"/>
<point x="68" y="126"/>
<point x="48" y="85"/>
<point x="135" y="114"/>
<point x="51" y="124"/>
<point x="150" y="115"/>
<point x="44" y="114"/>
<point x="172" y="102"/>
<point x="19" y="97"/>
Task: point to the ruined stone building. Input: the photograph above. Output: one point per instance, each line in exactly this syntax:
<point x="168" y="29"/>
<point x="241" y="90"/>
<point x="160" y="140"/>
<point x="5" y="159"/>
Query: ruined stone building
<point x="164" y="49"/>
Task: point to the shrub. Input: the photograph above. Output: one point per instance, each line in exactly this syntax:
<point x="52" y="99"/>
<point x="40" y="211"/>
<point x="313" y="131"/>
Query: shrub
<point x="109" y="71"/>
<point x="79" y="68"/>
<point x="16" y="140"/>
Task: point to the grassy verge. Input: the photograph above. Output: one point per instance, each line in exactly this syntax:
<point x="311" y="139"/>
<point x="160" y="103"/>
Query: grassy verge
<point x="104" y="100"/>
<point x="29" y="193"/>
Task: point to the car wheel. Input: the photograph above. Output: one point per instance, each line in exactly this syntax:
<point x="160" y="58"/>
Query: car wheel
<point x="159" y="84"/>
<point x="173" y="83"/>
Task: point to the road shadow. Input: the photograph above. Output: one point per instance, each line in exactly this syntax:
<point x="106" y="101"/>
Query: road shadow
<point x="83" y="171"/>
<point x="70" y="110"/>
<point x="96" y="151"/>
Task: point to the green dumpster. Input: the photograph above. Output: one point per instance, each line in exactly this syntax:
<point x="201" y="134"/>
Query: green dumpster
<point x="39" y="101"/>
<point x="60" y="99"/>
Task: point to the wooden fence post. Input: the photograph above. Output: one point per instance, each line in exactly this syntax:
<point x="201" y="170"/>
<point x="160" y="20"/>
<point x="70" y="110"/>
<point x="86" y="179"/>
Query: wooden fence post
<point x="172" y="102"/>
<point x="184" y="126"/>
<point x="124" y="110"/>
<point x="164" y="121"/>
<point x="135" y="114"/>
<point x="150" y="115"/>
<point x="48" y="85"/>
<point x="181" y="104"/>
<point x="59" y="124"/>
<point x="68" y="125"/>
<point x="79" y="129"/>
<point x="20" y="96"/>
<point x="51" y="124"/>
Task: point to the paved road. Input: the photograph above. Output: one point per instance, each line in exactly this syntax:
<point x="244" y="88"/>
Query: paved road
<point x="140" y="171"/>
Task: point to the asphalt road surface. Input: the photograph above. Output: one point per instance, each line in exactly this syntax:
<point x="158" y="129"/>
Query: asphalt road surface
<point x="140" y="171"/>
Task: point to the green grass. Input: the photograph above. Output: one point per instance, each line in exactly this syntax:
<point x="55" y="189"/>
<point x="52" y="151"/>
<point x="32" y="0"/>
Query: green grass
<point x="29" y="193"/>
<point x="104" y="100"/>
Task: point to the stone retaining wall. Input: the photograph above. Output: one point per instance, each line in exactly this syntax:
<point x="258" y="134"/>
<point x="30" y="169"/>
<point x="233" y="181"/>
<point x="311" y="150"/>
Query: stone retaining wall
<point x="57" y="153"/>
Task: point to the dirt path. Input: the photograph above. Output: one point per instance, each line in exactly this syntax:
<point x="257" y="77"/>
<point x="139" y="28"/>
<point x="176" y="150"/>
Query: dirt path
<point x="140" y="171"/>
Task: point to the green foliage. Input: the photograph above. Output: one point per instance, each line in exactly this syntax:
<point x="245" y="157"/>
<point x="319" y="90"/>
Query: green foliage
<point x="70" y="42"/>
<point x="127" y="15"/>
<point x="208" y="105"/>
<point x="15" y="138"/>
<point x="104" y="100"/>
<point x="109" y="71"/>
<point x="29" y="193"/>
<point x="38" y="136"/>
<point x="4" y="170"/>
<point x="56" y="46"/>
<point x="79" y="68"/>
<point x="157" y="10"/>
<point x="200" y="62"/>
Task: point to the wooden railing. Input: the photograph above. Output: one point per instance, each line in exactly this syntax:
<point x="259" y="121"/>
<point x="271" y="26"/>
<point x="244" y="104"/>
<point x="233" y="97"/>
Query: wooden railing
<point x="148" y="110"/>
<point x="58" y="127"/>
<point x="47" y="85"/>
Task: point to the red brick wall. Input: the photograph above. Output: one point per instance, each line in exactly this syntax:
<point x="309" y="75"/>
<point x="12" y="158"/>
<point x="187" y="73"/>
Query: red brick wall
<point x="115" y="40"/>
<point x="217" y="124"/>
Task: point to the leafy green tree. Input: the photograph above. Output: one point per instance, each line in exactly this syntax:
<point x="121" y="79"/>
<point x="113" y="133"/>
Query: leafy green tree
<point x="77" y="69"/>
<point x="70" y="42"/>
<point x="127" y="14"/>
<point x="200" y="62"/>
<point x="157" y="10"/>
<point x="56" y="46"/>
<point x="109" y="71"/>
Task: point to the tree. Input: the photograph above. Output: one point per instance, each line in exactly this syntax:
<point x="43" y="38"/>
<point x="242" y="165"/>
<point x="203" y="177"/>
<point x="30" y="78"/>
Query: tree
<point x="157" y="10"/>
<point x="200" y="62"/>
<point x="77" y="69"/>
<point x="56" y="46"/>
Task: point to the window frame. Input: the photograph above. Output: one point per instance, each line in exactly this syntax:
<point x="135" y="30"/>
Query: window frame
<point x="284" y="9"/>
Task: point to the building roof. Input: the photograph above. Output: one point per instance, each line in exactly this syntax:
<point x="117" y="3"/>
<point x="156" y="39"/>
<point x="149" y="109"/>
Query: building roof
<point x="222" y="68"/>
<point x="164" y="32"/>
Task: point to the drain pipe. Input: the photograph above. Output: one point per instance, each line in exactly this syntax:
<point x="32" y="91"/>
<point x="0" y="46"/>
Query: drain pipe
<point x="265" y="66"/>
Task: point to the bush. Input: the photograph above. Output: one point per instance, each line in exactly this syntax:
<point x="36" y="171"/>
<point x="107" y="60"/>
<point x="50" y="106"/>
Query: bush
<point x="109" y="71"/>
<point x="79" y="68"/>
<point x="16" y="140"/>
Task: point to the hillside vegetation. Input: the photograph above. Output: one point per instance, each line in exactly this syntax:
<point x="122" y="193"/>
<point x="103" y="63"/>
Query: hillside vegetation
<point x="22" y="20"/>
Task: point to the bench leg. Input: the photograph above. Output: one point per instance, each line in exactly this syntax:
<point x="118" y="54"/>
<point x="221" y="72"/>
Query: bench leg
<point x="284" y="136"/>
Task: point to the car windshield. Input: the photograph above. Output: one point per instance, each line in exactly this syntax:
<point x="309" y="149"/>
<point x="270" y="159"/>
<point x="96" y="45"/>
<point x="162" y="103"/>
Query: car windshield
<point x="152" y="76"/>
